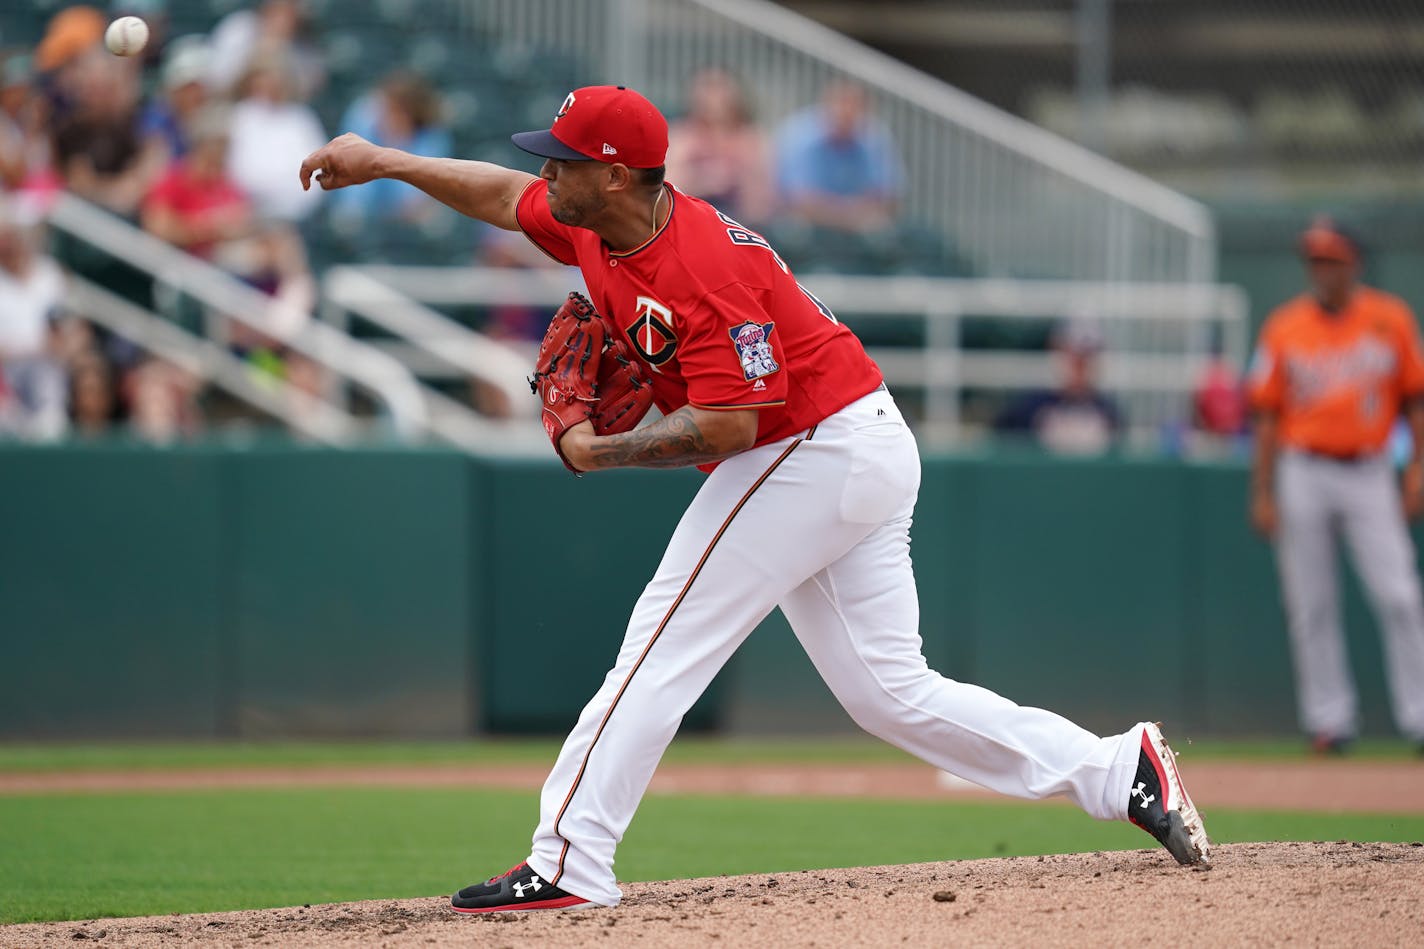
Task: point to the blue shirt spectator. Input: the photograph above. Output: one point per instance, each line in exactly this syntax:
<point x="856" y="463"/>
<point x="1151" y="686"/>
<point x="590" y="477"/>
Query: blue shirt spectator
<point x="838" y="167"/>
<point x="403" y="112"/>
<point x="182" y="96"/>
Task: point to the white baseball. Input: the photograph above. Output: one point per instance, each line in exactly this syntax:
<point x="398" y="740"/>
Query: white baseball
<point x="126" y="36"/>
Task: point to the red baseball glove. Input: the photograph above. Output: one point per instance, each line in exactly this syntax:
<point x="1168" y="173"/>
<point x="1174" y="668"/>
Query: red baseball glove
<point x="625" y="390"/>
<point x="585" y="371"/>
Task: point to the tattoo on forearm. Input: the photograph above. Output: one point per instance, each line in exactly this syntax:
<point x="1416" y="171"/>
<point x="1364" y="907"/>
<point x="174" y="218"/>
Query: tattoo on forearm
<point x="674" y="441"/>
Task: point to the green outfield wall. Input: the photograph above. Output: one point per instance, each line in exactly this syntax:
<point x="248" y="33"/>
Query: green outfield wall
<point x="199" y="592"/>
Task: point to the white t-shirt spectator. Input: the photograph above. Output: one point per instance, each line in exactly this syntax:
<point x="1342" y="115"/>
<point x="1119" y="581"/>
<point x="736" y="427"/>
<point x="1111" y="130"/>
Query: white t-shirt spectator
<point x="268" y="141"/>
<point x="26" y="305"/>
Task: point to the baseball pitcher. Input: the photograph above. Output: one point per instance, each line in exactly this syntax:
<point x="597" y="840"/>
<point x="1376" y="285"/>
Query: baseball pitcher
<point x="811" y="482"/>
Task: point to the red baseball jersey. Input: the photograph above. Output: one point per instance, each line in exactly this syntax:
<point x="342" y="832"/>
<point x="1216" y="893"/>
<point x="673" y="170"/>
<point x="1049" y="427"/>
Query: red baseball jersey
<point x="716" y="315"/>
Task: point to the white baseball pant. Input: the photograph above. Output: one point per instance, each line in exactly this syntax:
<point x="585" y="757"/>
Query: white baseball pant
<point x="818" y="525"/>
<point x="1319" y="497"/>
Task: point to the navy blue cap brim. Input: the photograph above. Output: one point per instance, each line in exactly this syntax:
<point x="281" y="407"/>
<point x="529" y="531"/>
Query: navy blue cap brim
<point x="545" y="145"/>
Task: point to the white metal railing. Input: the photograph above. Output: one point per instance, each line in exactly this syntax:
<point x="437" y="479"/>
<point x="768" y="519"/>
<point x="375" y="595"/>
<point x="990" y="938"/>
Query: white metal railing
<point x="1157" y="337"/>
<point x="383" y="376"/>
<point x="308" y="414"/>
<point x="1013" y="199"/>
<point x="433" y="335"/>
<point x="415" y="412"/>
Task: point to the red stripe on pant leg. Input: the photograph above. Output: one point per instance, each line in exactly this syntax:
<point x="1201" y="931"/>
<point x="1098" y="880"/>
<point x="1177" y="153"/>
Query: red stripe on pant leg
<point x="1156" y="766"/>
<point x="682" y="594"/>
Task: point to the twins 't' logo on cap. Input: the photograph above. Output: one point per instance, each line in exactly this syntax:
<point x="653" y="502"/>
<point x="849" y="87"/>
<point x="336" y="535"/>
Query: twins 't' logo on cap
<point x="564" y="109"/>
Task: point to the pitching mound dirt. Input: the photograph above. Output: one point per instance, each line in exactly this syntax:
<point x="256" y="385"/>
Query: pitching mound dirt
<point x="1255" y="894"/>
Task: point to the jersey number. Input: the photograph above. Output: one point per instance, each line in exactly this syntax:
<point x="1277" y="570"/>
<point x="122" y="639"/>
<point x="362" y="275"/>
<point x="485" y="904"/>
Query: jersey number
<point x="743" y="237"/>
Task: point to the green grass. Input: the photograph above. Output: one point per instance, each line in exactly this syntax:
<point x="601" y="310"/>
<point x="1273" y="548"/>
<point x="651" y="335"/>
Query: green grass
<point x="77" y="856"/>
<point x="147" y="756"/>
<point x="853" y="750"/>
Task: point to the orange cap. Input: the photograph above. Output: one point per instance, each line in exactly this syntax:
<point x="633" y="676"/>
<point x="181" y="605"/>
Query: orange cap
<point x="1324" y="241"/>
<point x="72" y="31"/>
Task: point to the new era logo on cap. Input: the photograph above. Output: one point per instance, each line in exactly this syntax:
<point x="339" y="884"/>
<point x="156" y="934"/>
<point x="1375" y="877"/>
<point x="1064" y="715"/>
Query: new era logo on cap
<point x="602" y="123"/>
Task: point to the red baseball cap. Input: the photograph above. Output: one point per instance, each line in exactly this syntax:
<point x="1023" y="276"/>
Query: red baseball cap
<point x="602" y="123"/>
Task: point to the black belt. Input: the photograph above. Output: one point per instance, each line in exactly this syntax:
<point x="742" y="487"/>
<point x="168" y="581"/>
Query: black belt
<point x="1341" y="458"/>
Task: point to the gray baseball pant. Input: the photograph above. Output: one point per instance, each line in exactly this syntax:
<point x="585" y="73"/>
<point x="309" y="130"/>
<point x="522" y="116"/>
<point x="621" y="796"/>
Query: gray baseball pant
<point x="1318" y="497"/>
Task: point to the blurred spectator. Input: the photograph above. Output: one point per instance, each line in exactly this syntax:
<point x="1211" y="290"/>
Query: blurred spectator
<point x="31" y="290"/>
<point x="274" y="261"/>
<point x="91" y="395"/>
<point x="70" y="33"/>
<point x="718" y="153"/>
<point x="162" y="402"/>
<point x="836" y="166"/>
<point x="97" y="147"/>
<point x="181" y="98"/>
<point x="1075" y="418"/>
<point x="403" y="112"/>
<point x="274" y="29"/>
<point x="196" y="205"/>
<point x="270" y="135"/>
<point x="1219" y="399"/>
<point x="25" y="164"/>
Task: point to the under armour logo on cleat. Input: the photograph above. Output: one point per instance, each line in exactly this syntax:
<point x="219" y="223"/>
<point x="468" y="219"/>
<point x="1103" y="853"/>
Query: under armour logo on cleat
<point x="533" y="886"/>
<point x="1140" y="791"/>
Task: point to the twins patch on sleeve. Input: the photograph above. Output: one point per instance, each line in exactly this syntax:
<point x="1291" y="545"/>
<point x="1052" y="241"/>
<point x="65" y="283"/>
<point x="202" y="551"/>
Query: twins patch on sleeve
<point x="753" y="343"/>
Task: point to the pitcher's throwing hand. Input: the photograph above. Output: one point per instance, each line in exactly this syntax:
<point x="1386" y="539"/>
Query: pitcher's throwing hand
<point x="345" y="160"/>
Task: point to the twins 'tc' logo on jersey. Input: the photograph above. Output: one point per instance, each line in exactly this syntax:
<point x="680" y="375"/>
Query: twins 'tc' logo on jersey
<point x="651" y="333"/>
<point x="753" y="343"/>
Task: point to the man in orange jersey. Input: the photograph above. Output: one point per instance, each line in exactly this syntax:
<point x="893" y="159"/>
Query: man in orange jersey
<point x="1332" y="373"/>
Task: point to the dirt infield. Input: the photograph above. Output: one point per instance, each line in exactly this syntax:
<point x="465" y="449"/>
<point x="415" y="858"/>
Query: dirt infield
<point x="1358" y="786"/>
<point x="1255" y="894"/>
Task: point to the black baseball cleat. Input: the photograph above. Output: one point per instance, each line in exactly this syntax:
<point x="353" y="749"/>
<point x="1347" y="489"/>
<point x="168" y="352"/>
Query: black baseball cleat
<point x="517" y="889"/>
<point x="1158" y="802"/>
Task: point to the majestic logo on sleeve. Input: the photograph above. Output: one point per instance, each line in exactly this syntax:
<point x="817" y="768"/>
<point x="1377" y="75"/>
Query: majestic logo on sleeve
<point x="651" y="333"/>
<point x="753" y="344"/>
